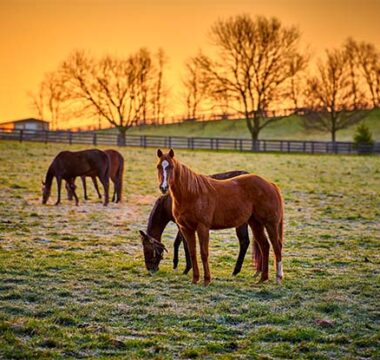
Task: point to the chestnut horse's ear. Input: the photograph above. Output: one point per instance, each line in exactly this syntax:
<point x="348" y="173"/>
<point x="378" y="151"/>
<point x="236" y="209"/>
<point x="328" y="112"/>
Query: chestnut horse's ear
<point x="159" y="153"/>
<point x="171" y="153"/>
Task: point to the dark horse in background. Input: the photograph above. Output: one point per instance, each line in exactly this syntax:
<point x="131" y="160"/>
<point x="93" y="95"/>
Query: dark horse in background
<point x="68" y="165"/>
<point x="201" y="204"/>
<point x="116" y="175"/>
<point x="162" y="214"/>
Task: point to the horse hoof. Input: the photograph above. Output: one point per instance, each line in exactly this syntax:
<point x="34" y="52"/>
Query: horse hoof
<point x="279" y="280"/>
<point x="194" y="281"/>
<point x="256" y="274"/>
<point x="206" y="282"/>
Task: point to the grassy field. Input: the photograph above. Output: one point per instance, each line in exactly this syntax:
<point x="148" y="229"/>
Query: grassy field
<point x="289" y="128"/>
<point x="73" y="282"/>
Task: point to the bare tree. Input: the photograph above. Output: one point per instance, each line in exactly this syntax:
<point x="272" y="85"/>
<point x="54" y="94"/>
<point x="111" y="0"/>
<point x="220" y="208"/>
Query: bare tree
<point x="115" y="89"/>
<point x="296" y="83"/>
<point x="329" y="96"/>
<point x="254" y="62"/>
<point x="369" y="62"/>
<point x="50" y="100"/>
<point x="160" y="92"/>
<point x="195" y="87"/>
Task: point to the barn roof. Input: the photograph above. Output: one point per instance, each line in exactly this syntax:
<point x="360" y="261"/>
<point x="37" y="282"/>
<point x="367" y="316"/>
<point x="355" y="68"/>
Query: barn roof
<point x="24" y="121"/>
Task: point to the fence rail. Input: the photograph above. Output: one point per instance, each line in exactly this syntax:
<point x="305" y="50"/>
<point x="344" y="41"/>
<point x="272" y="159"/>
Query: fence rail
<point x="194" y="143"/>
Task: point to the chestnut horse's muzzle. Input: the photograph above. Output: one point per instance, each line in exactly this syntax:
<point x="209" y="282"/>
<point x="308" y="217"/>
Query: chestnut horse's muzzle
<point x="164" y="189"/>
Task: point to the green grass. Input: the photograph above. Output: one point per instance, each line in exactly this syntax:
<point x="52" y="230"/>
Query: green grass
<point x="289" y="128"/>
<point x="73" y="282"/>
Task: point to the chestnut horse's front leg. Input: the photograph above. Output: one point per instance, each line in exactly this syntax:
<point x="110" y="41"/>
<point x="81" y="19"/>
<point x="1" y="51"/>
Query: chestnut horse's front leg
<point x="191" y="245"/>
<point x="204" y="235"/>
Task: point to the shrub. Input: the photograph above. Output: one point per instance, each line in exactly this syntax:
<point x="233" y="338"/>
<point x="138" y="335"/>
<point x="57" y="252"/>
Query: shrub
<point x="363" y="140"/>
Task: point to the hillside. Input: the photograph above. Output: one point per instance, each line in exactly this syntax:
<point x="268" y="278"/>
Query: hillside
<point x="289" y="128"/>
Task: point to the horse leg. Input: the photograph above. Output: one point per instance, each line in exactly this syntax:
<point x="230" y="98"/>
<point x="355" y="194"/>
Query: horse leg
<point x="187" y="256"/>
<point x="260" y="249"/>
<point x="114" y="197"/>
<point x="274" y="236"/>
<point x="204" y="236"/>
<point x="105" y="182"/>
<point x="96" y="186"/>
<point x="242" y="234"/>
<point x="75" y="195"/>
<point x="59" y="183"/>
<point x="83" y="178"/>
<point x="177" y="243"/>
<point x="189" y="236"/>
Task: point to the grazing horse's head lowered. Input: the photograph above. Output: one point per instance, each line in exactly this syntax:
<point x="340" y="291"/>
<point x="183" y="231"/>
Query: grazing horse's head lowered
<point x="45" y="192"/>
<point x="153" y="251"/>
<point x="165" y="169"/>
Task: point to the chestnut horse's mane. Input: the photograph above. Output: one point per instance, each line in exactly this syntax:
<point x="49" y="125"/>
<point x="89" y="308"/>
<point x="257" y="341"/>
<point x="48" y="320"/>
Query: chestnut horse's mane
<point x="190" y="181"/>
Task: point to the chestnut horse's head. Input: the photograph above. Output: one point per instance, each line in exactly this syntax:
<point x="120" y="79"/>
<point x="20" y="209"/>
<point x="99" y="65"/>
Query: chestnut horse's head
<point x="153" y="251"/>
<point x="45" y="192"/>
<point x="165" y="169"/>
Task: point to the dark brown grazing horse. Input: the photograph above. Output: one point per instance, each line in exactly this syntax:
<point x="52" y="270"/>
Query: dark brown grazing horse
<point x="116" y="175"/>
<point x="162" y="214"/>
<point x="201" y="203"/>
<point x="67" y="165"/>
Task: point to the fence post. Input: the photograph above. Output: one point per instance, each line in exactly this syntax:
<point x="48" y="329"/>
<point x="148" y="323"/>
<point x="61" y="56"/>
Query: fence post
<point x="217" y="144"/>
<point x="241" y="145"/>
<point x="70" y="137"/>
<point x="170" y="142"/>
<point x="94" y="139"/>
<point x="46" y="136"/>
<point x="21" y="135"/>
<point x="265" y="145"/>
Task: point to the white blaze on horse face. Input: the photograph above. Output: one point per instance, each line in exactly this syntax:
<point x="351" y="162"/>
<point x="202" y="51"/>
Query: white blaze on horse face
<point x="165" y="164"/>
<point x="280" y="272"/>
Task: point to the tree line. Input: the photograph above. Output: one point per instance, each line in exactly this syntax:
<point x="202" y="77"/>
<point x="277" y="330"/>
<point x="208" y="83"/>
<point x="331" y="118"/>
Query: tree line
<point x="257" y="66"/>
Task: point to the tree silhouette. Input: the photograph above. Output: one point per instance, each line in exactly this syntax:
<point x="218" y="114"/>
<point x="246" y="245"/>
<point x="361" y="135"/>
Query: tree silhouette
<point x="330" y="96"/>
<point x="254" y="63"/>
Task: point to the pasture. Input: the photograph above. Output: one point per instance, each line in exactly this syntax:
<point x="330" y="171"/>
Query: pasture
<point x="73" y="282"/>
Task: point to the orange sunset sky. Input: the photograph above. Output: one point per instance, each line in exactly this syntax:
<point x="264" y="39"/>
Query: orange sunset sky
<point x="36" y="35"/>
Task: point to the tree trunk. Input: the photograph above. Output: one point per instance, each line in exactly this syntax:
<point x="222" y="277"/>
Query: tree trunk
<point x="121" y="136"/>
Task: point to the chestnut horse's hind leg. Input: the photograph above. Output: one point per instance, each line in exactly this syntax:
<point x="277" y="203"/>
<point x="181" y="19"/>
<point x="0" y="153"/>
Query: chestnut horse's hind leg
<point x="242" y="234"/>
<point x="274" y="236"/>
<point x="204" y="235"/>
<point x="189" y="236"/>
<point x="260" y="249"/>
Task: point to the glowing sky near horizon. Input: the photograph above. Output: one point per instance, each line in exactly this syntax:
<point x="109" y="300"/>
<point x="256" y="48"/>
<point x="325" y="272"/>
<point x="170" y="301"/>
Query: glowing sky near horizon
<point x="36" y="35"/>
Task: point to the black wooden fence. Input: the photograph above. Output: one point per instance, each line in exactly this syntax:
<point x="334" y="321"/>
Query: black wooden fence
<point x="194" y="143"/>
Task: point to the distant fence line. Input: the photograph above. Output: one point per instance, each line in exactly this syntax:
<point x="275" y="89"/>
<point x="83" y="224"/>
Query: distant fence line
<point x="193" y="143"/>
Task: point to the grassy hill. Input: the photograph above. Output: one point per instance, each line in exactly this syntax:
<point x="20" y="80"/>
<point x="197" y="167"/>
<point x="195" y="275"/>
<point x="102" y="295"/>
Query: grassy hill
<point x="289" y="128"/>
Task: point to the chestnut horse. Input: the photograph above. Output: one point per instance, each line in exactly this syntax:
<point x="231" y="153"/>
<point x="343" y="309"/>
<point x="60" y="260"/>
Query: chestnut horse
<point x="116" y="175"/>
<point x="67" y="165"/>
<point x="201" y="203"/>
<point x="162" y="214"/>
